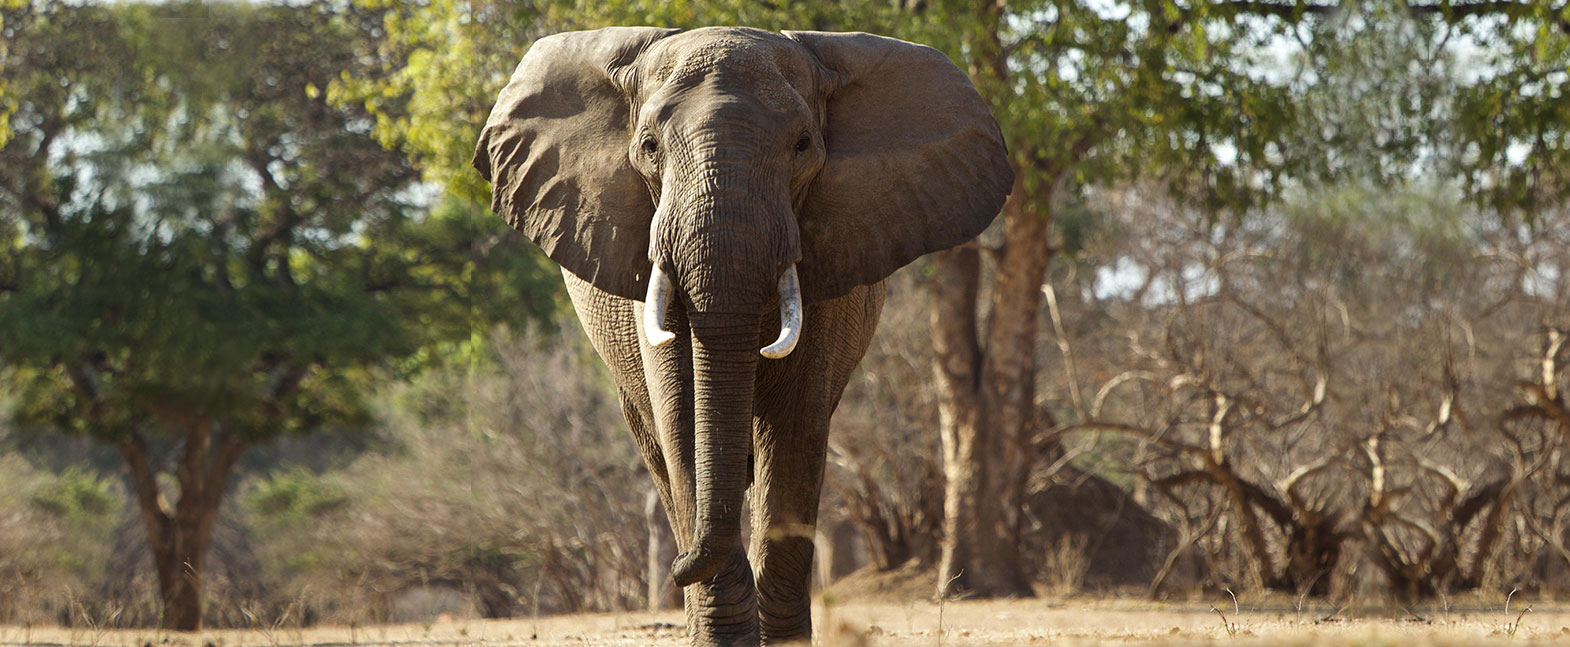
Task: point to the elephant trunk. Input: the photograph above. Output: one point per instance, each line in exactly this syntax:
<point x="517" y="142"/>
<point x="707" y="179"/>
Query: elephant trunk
<point x="724" y="362"/>
<point x="725" y="252"/>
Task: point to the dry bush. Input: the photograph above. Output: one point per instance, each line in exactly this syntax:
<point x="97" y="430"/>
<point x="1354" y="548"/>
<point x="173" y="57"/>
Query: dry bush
<point x="1332" y="391"/>
<point x="1065" y="565"/>
<point x="125" y="591"/>
<point x="53" y="531"/>
<point x="509" y="488"/>
<point x="73" y="549"/>
<point x="885" y="473"/>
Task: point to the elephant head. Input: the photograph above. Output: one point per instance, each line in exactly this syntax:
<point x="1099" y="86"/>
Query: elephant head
<point x="737" y="169"/>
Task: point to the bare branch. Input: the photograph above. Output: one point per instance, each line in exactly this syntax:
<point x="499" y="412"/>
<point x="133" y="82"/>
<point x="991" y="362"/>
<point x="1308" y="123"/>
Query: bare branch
<point x="144" y="480"/>
<point x="1218" y="453"/>
<point x="1116" y="381"/>
<point x="1068" y="353"/>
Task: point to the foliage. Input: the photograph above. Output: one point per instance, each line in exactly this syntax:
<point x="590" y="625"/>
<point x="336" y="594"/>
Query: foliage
<point x="169" y="291"/>
<point x="291" y="496"/>
<point x="1104" y="90"/>
<point x="1507" y="124"/>
<point x="208" y="235"/>
<point x="77" y="495"/>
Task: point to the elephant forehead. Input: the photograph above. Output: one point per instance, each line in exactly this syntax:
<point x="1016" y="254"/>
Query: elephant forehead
<point x="761" y="65"/>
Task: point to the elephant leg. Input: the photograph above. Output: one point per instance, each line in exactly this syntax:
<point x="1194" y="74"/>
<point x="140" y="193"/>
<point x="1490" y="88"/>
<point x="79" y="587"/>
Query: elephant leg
<point x="658" y="410"/>
<point x="635" y="408"/>
<point x="788" y="476"/>
<point x="796" y="397"/>
<point x="722" y="611"/>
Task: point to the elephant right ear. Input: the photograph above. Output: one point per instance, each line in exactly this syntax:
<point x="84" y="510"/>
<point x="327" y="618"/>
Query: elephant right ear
<point x="555" y="152"/>
<point x="914" y="162"/>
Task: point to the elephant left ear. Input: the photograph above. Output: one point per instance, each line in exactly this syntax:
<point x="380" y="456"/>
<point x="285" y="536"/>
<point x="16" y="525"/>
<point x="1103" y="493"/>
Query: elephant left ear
<point x="555" y="152"/>
<point x="915" y="162"/>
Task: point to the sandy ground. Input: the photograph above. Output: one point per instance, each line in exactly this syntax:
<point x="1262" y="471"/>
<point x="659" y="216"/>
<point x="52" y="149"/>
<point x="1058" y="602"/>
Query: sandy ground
<point x="1017" y="622"/>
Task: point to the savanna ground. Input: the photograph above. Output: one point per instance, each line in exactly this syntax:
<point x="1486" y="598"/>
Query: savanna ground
<point x="1071" y="621"/>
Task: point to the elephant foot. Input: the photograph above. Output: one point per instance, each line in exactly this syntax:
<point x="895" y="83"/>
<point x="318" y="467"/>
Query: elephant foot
<point x="789" y="636"/>
<point x="784" y="595"/>
<point x="794" y="629"/>
<point x="722" y="611"/>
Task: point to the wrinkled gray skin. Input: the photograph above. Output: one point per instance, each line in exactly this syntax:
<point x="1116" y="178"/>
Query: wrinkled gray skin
<point x="725" y="156"/>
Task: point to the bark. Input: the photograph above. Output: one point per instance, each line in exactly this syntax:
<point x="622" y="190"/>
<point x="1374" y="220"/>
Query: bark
<point x="986" y="400"/>
<point x="179" y="533"/>
<point x="662" y="549"/>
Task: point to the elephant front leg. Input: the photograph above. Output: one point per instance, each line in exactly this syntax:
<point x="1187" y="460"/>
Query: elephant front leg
<point x="796" y="397"/>
<point x="785" y="514"/>
<point x="722" y="611"/>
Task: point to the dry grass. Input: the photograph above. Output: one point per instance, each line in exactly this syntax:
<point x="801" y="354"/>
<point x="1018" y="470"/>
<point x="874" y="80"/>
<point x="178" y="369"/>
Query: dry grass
<point x="1010" y="622"/>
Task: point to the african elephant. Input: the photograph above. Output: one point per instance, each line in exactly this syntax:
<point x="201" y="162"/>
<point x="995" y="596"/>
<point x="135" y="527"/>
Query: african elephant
<point x="705" y="191"/>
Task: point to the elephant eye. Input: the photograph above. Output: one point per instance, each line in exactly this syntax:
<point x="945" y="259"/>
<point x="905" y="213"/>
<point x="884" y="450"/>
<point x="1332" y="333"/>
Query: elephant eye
<point x="650" y="147"/>
<point x="804" y="143"/>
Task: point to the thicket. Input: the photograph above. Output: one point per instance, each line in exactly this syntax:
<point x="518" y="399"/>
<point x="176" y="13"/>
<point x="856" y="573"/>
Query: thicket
<point x="1356" y="394"/>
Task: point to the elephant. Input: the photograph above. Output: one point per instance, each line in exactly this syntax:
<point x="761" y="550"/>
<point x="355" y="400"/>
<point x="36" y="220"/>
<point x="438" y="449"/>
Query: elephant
<point x="707" y="190"/>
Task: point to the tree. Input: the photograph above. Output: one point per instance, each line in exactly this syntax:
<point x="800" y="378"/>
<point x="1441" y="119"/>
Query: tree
<point x="1086" y="94"/>
<point x="208" y="255"/>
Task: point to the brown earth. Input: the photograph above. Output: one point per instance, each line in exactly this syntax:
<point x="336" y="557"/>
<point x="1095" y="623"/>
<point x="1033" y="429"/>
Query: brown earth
<point x="855" y="623"/>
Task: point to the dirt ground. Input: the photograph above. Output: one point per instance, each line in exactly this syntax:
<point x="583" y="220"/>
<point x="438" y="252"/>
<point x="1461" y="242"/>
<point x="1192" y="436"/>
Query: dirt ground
<point x="924" y="624"/>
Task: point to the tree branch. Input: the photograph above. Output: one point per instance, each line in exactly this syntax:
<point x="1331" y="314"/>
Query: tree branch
<point x="144" y="481"/>
<point x="222" y="463"/>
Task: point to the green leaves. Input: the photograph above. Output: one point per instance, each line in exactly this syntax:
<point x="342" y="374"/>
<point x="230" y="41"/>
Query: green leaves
<point x="201" y="235"/>
<point x="1506" y="122"/>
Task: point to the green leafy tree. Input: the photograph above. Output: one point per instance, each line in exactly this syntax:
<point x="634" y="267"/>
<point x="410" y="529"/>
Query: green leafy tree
<point x="205" y="254"/>
<point x="1506" y="122"/>
<point x="1087" y="93"/>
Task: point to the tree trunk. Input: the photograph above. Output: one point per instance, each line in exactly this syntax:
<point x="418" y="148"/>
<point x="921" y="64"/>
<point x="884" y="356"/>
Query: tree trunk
<point x="662" y="593"/>
<point x="179" y="534"/>
<point x="986" y="401"/>
<point x="178" y="562"/>
<point x="836" y="551"/>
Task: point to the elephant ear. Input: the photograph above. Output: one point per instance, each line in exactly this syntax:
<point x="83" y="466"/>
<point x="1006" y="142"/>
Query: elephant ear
<point x="915" y="162"/>
<point x="555" y="152"/>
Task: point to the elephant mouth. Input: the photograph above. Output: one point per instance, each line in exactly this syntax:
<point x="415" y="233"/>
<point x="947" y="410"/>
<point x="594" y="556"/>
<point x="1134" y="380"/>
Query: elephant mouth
<point x="657" y="302"/>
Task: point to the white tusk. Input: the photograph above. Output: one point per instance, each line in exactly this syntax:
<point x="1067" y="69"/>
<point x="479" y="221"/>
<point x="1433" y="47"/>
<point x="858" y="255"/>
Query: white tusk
<point x="790" y="316"/>
<point x="654" y="306"/>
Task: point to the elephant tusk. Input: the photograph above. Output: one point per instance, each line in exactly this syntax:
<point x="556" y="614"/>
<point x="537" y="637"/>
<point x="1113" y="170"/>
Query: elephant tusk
<point x="654" y="307"/>
<point x="790" y="316"/>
